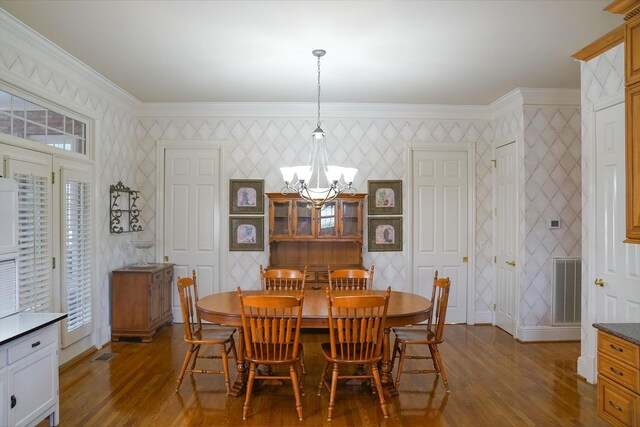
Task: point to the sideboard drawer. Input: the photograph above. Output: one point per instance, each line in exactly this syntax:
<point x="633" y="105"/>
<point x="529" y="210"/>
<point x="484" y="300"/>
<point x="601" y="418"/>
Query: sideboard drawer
<point x="323" y="276"/>
<point x="619" y="372"/>
<point x="310" y="276"/>
<point x="31" y="344"/>
<point x="618" y="349"/>
<point x="616" y="404"/>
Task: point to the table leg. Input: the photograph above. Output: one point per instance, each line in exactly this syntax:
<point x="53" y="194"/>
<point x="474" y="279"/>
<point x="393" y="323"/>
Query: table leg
<point x="387" y="366"/>
<point x="238" y="387"/>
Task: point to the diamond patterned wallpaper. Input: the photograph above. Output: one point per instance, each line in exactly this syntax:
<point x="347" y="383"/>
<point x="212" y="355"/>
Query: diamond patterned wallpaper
<point x="552" y="190"/>
<point x="256" y="147"/>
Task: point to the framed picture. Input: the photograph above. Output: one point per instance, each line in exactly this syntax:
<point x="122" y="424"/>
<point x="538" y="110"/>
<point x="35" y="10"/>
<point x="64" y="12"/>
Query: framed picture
<point x="246" y="196"/>
<point x="385" y="197"/>
<point x="385" y="234"/>
<point x="246" y="233"/>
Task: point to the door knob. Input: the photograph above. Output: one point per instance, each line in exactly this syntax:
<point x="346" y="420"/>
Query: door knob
<point x="600" y="282"/>
<point x="512" y="263"/>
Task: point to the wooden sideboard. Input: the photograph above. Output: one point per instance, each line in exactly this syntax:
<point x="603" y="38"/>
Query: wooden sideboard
<point x="140" y="300"/>
<point x="300" y="235"/>
<point x="618" y="378"/>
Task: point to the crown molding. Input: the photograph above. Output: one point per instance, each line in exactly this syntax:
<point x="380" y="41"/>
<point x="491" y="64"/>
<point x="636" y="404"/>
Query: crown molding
<point x="519" y="97"/>
<point x="309" y="109"/>
<point x="22" y="39"/>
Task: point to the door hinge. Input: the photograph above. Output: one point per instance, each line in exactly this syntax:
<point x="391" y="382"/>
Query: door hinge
<point x="465" y="259"/>
<point x="494" y="307"/>
<point x="495" y="259"/>
<point x="495" y="212"/>
<point x="53" y="177"/>
<point x="54" y="262"/>
<point x="495" y="163"/>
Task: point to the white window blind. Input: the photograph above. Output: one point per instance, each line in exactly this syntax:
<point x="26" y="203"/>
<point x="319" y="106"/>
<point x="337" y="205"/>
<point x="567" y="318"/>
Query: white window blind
<point x="34" y="235"/>
<point x="77" y="256"/>
<point x="8" y="288"/>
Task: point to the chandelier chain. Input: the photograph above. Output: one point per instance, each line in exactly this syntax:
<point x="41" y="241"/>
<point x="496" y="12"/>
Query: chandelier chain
<point x="318" y="91"/>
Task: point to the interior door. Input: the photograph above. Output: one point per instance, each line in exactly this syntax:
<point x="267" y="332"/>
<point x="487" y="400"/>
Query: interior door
<point x="618" y="263"/>
<point x="440" y="225"/>
<point x="506" y="229"/>
<point x="192" y="217"/>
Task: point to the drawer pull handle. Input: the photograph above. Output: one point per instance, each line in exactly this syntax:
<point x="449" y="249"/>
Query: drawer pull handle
<point x="35" y="344"/>
<point x="615" y="371"/>
<point x="13" y="401"/>
<point x="614" y="406"/>
<point x="616" y="348"/>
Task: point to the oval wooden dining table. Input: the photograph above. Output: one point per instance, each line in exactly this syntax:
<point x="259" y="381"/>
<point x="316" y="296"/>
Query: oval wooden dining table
<point x="404" y="309"/>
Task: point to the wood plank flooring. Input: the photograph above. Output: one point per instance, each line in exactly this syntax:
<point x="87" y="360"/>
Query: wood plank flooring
<point x="495" y="381"/>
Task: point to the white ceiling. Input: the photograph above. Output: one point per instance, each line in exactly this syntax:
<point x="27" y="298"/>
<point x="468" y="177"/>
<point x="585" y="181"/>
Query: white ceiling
<point x="421" y="52"/>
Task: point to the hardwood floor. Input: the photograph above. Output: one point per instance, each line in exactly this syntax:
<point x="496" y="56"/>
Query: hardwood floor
<point x="495" y="381"/>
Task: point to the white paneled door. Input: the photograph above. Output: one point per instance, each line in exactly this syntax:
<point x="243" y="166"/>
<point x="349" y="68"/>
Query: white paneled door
<point x="440" y="223"/>
<point x="506" y="225"/>
<point x="192" y="217"/>
<point x="618" y="263"/>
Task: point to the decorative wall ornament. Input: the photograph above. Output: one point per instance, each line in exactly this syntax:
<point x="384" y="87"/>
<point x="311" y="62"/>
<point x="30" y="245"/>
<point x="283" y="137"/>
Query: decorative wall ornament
<point x="124" y="212"/>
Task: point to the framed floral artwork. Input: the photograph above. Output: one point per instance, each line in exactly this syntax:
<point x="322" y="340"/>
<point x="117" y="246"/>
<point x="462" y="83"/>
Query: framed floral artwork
<point x="246" y="233"/>
<point x="385" y="234"/>
<point x="385" y="197"/>
<point x="246" y="196"/>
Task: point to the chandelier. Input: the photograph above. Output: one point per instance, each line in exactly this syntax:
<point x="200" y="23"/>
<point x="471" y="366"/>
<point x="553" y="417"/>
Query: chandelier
<point x="318" y="182"/>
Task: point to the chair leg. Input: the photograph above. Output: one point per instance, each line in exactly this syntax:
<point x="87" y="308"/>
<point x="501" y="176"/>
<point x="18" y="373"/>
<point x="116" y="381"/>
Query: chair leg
<point x="402" y="350"/>
<point x="296" y="390"/>
<point x="187" y="357"/>
<point x="301" y="374"/>
<point x="436" y="355"/>
<point x="332" y="394"/>
<point x="376" y="380"/>
<point x="196" y="352"/>
<point x="436" y="366"/>
<point x="247" y="399"/>
<point x="225" y="367"/>
<point x="304" y="371"/>
<point x="322" y="375"/>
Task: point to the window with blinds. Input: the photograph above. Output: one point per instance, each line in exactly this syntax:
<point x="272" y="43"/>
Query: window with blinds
<point x="34" y="235"/>
<point x="77" y="256"/>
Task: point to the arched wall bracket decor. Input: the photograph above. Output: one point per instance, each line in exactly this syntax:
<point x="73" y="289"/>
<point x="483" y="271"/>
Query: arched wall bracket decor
<point x="124" y="212"/>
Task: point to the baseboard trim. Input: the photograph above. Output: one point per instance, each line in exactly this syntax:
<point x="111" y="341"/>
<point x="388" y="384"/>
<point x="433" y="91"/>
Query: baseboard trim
<point x="548" y="333"/>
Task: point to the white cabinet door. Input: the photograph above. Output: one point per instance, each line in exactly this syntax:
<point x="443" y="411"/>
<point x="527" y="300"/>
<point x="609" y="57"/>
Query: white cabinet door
<point x="33" y="386"/>
<point x="4" y="420"/>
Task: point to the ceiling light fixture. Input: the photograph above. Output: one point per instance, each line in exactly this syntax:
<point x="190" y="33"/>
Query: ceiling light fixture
<point x="318" y="182"/>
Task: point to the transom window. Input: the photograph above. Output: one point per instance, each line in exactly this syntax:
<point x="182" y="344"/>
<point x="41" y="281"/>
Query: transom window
<point x="25" y="119"/>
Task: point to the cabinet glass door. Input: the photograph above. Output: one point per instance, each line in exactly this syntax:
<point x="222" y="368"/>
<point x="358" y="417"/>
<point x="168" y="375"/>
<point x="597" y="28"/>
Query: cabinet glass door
<point x="351" y="226"/>
<point x="304" y="219"/>
<point x="280" y="219"/>
<point x="327" y="220"/>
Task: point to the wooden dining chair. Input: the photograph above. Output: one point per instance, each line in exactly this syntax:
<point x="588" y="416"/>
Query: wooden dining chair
<point x="356" y="333"/>
<point x="431" y="337"/>
<point x="271" y="329"/>
<point x="351" y="279"/>
<point x="196" y="336"/>
<point x="282" y="279"/>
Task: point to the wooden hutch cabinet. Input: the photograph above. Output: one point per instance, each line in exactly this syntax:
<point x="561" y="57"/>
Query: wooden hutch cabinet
<point x="140" y="300"/>
<point x="300" y="235"/>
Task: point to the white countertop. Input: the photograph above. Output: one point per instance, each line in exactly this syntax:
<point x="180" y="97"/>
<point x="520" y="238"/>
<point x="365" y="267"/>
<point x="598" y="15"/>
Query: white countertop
<point x="19" y="324"/>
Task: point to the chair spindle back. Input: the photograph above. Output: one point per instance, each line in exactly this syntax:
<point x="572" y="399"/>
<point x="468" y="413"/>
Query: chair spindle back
<point x="356" y="325"/>
<point x="271" y="325"/>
